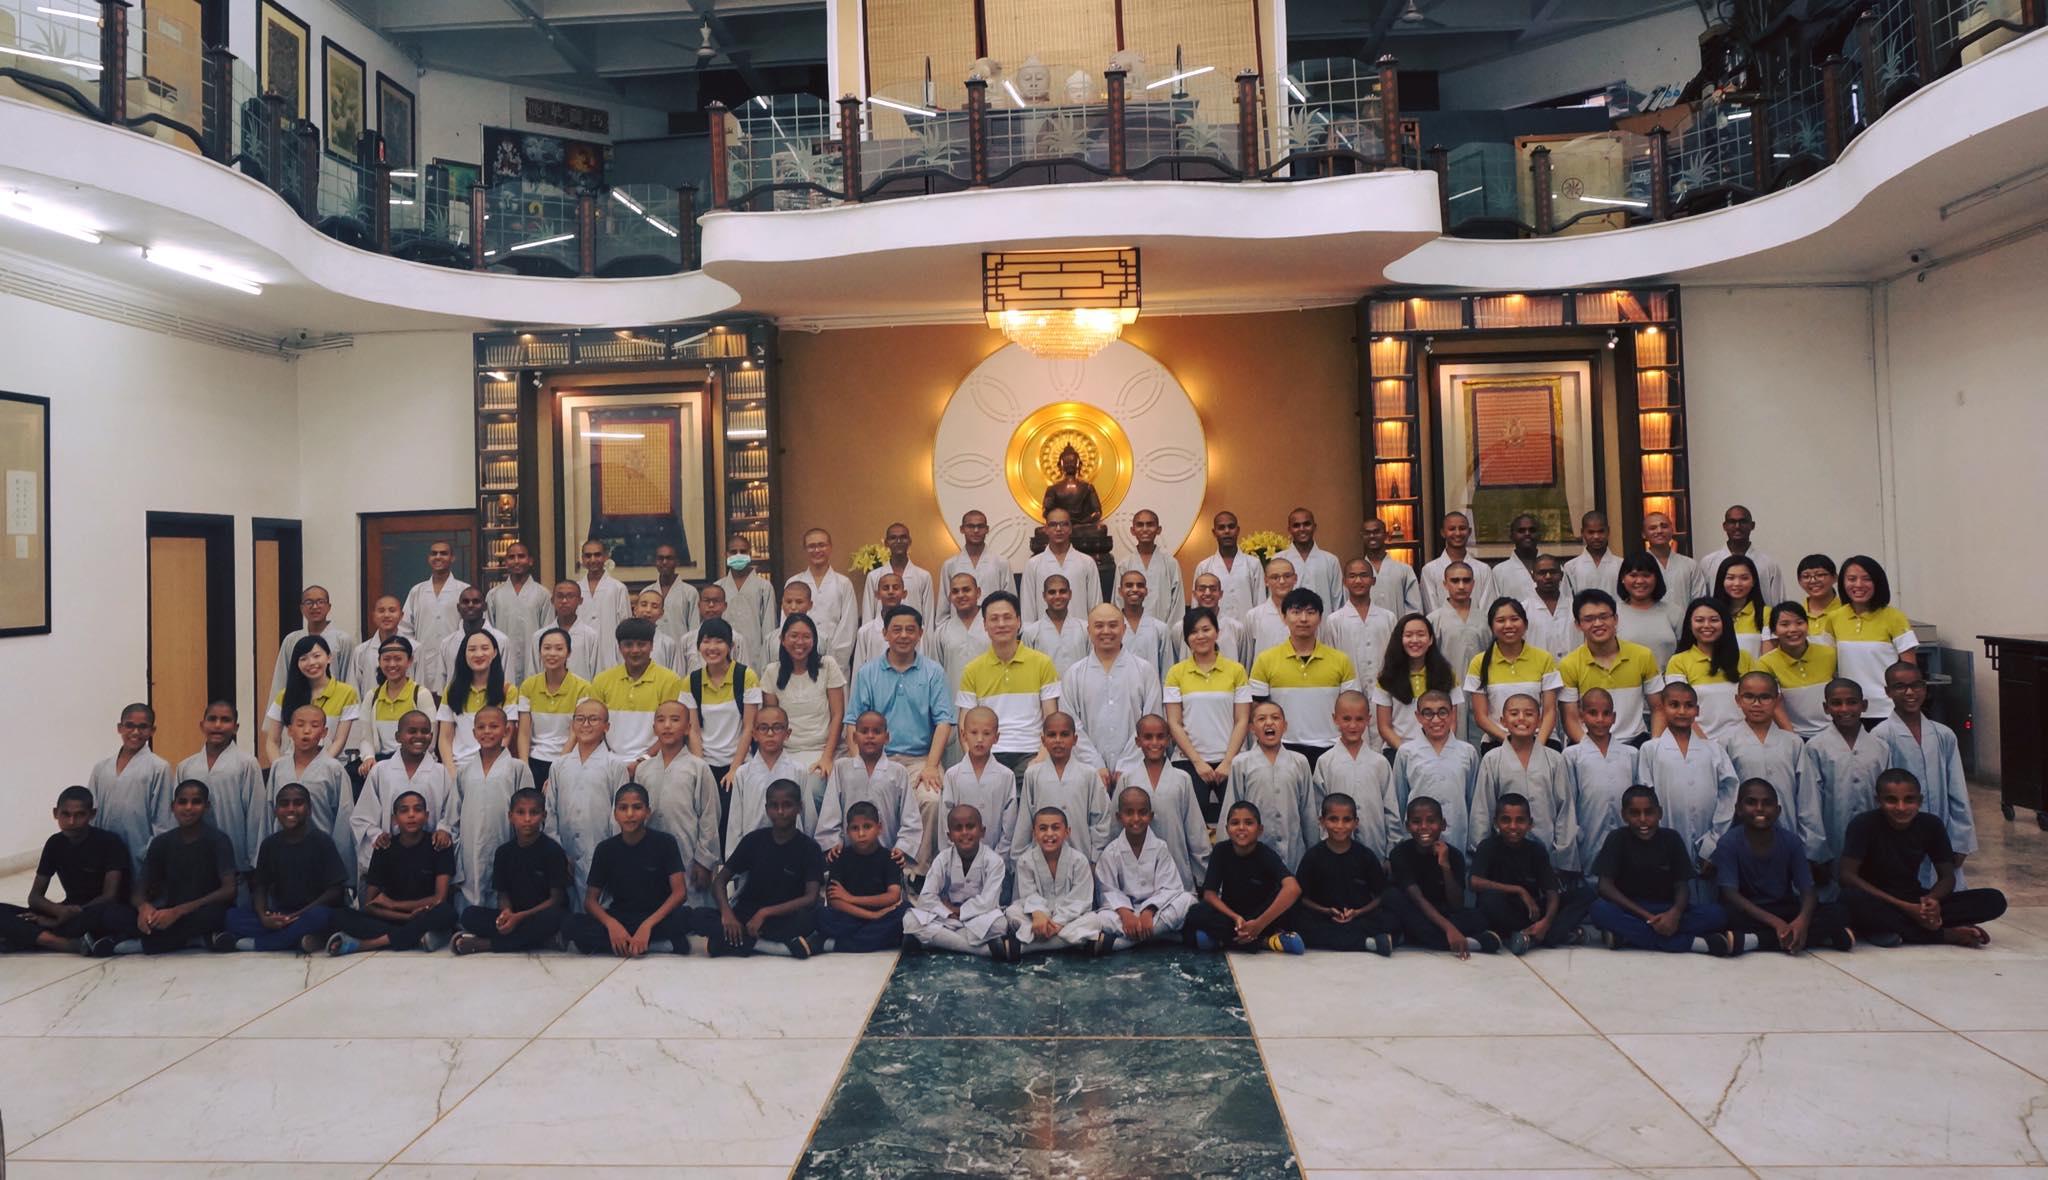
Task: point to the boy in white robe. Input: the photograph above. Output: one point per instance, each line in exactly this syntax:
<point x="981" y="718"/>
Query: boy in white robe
<point x="326" y="782"/>
<point x="1278" y="781"/>
<point x="1164" y="599"/>
<point x="133" y="787"/>
<point x="1840" y="765"/>
<point x="605" y="601"/>
<point x="747" y="807"/>
<point x="1063" y="781"/>
<point x="682" y="794"/>
<point x="483" y="790"/>
<point x="960" y="907"/>
<point x="429" y="614"/>
<point x="1055" y="887"/>
<point x="1144" y="634"/>
<point x="362" y="660"/>
<point x="234" y="783"/>
<point x="1694" y="780"/>
<point x="1602" y="768"/>
<point x="1356" y="768"/>
<point x="1170" y="803"/>
<point x="1055" y="631"/>
<point x="980" y="779"/>
<point x="519" y="607"/>
<point x="580" y="787"/>
<point x="869" y="777"/>
<point x="1524" y="766"/>
<point x="1924" y="746"/>
<point x="414" y="769"/>
<point x="1143" y="894"/>
<point x="1439" y="766"/>
<point x="750" y="598"/>
<point x="917" y="581"/>
<point x="1760" y="749"/>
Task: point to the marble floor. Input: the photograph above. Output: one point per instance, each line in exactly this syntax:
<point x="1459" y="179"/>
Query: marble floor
<point x="1903" y="1063"/>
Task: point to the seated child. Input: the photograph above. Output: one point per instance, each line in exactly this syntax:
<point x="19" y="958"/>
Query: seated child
<point x="870" y="776"/>
<point x="1646" y="872"/>
<point x="1342" y="884"/>
<point x="298" y="884"/>
<point x="1063" y="781"/>
<point x="185" y="889"/>
<point x="960" y="908"/>
<point x="1517" y="885"/>
<point x="1247" y="890"/>
<point x="1767" y="885"/>
<point x="634" y="895"/>
<point x="864" y="895"/>
<point x="1882" y="855"/>
<point x="414" y="770"/>
<point x="408" y="887"/>
<point x="583" y="786"/>
<point x="525" y="901"/>
<point x="1523" y="766"/>
<point x="746" y="802"/>
<point x="778" y="901"/>
<point x="980" y="779"/>
<point x="1055" y="905"/>
<point x="1173" y="802"/>
<point x="1428" y="896"/>
<point x="1143" y="892"/>
<point x="91" y="864"/>
<point x="325" y="780"/>
<point x="1276" y="780"/>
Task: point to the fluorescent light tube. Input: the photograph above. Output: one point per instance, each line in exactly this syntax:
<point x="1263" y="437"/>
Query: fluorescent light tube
<point x="202" y="268"/>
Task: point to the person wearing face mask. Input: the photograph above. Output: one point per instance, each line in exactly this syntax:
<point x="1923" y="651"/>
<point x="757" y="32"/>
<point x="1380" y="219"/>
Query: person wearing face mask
<point x="749" y="597"/>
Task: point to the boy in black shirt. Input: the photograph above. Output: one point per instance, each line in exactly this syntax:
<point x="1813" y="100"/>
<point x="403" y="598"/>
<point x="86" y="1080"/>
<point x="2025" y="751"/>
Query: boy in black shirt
<point x="407" y="886"/>
<point x="778" y="901"/>
<point x="1516" y="887"/>
<point x="641" y="870"/>
<point x="1245" y="893"/>
<point x="1645" y="871"/>
<point x="90" y="863"/>
<point x="1429" y="887"/>
<point x="1882" y="852"/>
<point x="530" y="875"/>
<point x="1341" y="887"/>
<point x="187" y="884"/>
<point x="864" y="902"/>
<point x="297" y="884"/>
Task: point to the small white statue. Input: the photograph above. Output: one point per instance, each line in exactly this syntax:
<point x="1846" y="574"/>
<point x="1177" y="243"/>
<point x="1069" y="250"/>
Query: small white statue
<point x="987" y="69"/>
<point x="1034" y="82"/>
<point x="1077" y="87"/>
<point x="1132" y="63"/>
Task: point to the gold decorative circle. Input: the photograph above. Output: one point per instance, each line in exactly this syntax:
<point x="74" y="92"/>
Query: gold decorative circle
<point x="1033" y="458"/>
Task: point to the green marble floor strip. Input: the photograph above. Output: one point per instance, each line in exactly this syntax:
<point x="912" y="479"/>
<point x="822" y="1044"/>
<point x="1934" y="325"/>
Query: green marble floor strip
<point x="1140" y="1065"/>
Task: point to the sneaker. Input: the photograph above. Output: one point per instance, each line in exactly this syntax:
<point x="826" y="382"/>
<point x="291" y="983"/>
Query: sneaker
<point x="465" y="944"/>
<point x="1104" y="944"/>
<point x="1204" y="941"/>
<point x="1843" y="940"/>
<point x="341" y="944"/>
<point x="1383" y="945"/>
<point x="1884" y="938"/>
<point x="433" y="940"/>
<point x="220" y="942"/>
<point x="1489" y="942"/>
<point x="1518" y="943"/>
<point x="101" y="947"/>
<point x="1720" y="944"/>
<point x="799" y="948"/>
<point x="1013" y="949"/>
<point x="1612" y="940"/>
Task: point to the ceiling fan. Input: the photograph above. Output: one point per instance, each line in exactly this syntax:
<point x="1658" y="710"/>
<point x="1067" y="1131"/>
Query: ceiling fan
<point x="1414" y="17"/>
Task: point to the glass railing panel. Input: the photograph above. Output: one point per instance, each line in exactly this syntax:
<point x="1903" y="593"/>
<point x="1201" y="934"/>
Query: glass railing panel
<point x="342" y="202"/>
<point x="531" y="231"/>
<point x="782" y="152"/>
<point x="1710" y="160"/>
<point x="1483" y="185"/>
<point x="1060" y="138"/>
<point x="911" y="144"/>
<point x="166" y="73"/>
<point x="639" y="231"/>
<point x="56" y="42"/>
<point x="1332" y="105"/>
<point x="1796" y="115"/>
<point x="1598" y="181"/>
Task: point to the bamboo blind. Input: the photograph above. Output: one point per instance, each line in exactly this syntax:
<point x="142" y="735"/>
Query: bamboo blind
<point x="1219" y="33"/>
<point x="1064" y="37"/>
<point x="901" y="34"/>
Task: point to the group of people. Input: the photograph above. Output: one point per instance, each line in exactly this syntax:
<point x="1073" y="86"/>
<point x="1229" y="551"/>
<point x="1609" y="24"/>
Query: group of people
<point x="1257" y="767"/>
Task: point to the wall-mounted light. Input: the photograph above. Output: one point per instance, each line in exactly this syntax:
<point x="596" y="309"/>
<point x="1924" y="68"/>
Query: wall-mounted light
<point x="21" y="209"/>
<point x="1612" y="338"/>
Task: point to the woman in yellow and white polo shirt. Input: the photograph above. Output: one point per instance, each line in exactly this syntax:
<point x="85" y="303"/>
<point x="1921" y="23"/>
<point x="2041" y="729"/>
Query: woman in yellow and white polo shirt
<point x="307" y="682"/>
<point x="550" y="696"/>
<point x="1709" y="660"/>
<point x="1870" y="633"/>
<point x="478" y="682"/>
<point x="1509" y="666"/>
<point x="1208" y="700"/>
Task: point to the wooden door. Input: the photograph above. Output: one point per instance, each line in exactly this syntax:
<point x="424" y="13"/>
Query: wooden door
<point x="179" y="642"/>
<point x="270" y="629"/>
<point x="394" y="554"/>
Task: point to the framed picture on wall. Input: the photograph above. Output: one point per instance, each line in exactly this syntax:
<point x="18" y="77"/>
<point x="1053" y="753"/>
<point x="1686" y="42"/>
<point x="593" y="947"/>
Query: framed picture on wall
<point x="635" y="469"/>
<point x="342" y="80"/>
<point x="25" y="543"/>
<point x="398" y="123"/>
<point x="1518" y="437"/>
<point x="461" y="176"/>
<point x="284" y="56"/>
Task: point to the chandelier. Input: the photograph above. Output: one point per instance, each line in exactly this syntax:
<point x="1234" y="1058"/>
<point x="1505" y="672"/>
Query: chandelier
<point x="1061" y="304"/>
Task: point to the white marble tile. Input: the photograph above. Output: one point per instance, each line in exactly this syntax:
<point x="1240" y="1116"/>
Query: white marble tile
<point x="1478" y="1102"/>
<point x="191" y="994"/>
<point x="51" y="1080"/>
<point x="618" y="1102"/>
<point x="1962" y="989"/>
<point x="578" y="1171"/>
<point x="1413" y="994"/>
<point x="1644" y="992"/>
<point x="2028" y="1050"/>
<point x="764" y="996"/>
<point x="22" y="973"/>
<point x="283" y="1101"/>
<point x="161" y="1170"/>
<point x="1837" y="1099"/>
<point x="2031" y="918"/>
<point x="485" y="996"/>
<point x="2015" y="1173"/>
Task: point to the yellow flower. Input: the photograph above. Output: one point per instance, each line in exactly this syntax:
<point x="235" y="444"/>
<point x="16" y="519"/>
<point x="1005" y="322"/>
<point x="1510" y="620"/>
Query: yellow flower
<point x="867" y="557"/>
<point x="1265" y="543"/>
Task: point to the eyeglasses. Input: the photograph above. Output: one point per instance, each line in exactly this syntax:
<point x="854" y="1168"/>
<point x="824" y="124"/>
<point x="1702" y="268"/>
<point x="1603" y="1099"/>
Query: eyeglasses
<point x="772" y="728"/>
<point x="1598" y="617"/>
<point x="585" y="720"/>
<point x="1758" y="697"/>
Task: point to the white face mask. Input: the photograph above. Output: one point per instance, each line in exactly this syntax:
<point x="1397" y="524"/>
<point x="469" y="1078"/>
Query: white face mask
<point x="738" y="562"/>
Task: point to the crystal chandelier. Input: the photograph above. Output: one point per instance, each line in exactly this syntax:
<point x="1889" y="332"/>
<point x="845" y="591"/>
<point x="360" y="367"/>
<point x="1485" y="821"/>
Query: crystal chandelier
<point x="1061" y="304"/>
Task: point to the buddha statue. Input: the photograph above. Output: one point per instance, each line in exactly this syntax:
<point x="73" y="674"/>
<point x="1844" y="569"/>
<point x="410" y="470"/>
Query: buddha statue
<point x="1083" y="505"/>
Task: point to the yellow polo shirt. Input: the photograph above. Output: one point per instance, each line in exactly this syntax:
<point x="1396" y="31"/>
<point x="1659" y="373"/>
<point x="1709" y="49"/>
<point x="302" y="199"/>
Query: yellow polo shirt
<point x="1306" y="689"/>
<point x="1013" y="689"/>
<point x="1803" y="682"/>
<point x="1630" y="680"/>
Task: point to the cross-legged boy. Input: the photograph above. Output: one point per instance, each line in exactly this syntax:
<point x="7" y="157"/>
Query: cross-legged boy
<point x="1246" y="894"/>
<point x="1516" y="881"/>
<point x="298" y="883"/>
<point x="1055" y="906"/>
<point x="1143" y="895"/>
<point x="1766" y="884"/>
<point x="185" y="889"/>
<point x="960" y="908"/>
<point x="1428" y="894"/>
<point x="778" y="901"/>
<point x="524" y="903"/>
<point x="1343" y="887"/>
<point x="90" y="863"/>
<point x="409" y="888"/>
<point x="1883" y="860"/>
<point x="1646" y="871"/>
<point x="864" y="895"/>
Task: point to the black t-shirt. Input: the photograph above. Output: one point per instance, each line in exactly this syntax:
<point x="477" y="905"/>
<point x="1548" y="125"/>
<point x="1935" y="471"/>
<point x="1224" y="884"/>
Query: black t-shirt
<point x="292" y="875"/>
<point x="1890" y="858"/>
<point x="81" y="866"/>
<point x="524" y="877"/>
<point x="407" y="874"/>
<point x="866" y="876"/>
<point x="1348" y="880"/>
<point x="635" y="876"/>
<point x="176" y="871"/>
<point x="775" y="872"/>
<point x="1247" y="883"/>
<point x="1526" y="864"/>
<point x="1410" y="865"/>
<point x="1649" y="870"/>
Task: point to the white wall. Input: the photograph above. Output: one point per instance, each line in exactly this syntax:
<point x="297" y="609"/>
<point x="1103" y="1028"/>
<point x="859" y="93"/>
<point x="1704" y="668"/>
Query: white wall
<point x="1964" y="353"/>
<point x="139" y="423"/>
<point x="454" y="106"/>
<point x="327" y="19"/>
<point x="1783" y="417"/>
<point x="1645" y="53"/>
<point x="396" y="413"/>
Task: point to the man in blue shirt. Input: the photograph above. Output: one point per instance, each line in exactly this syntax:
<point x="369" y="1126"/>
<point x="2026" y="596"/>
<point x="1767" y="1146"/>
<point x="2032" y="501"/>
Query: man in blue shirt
<point x="910" y="690"/>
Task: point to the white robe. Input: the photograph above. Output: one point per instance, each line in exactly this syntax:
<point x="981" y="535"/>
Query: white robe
<point x="1842" y="779"/>
<point x="1164" y="596"/>
<point x="1178" y="826"/>
<point x="992" y="792"/>
<point x="486" y="823"/>
<point x="1081" y="573"/>
<point x="991" y="573"/>
<point x="1585" y="573"/>
<point x="583" y="648"/>
<point x="1555" y="631"/>
<point x="580" y="792"/>
<point x="1769" y="573"/>
<point x="1064" y="893"/>
<point x="976" y="889"/>
<point x="1600" y="780"/>
<point x="239" y="808"/>
<point x="1696" y="788"/>
<point x="1776" y="760"/>
<point x="1317" y="570"/>
<point x="1150" y="642"/>
<point x="1106" y="705"/>
<point x="678" y="607"/>
<point x="1139" y="880"/>
<point x="134" y="803"/>
<point x="603" y="606"/>
<point x="1548" y="785"/>
<point x="1395" y="588"/>
<point x="1065" y="645"/>
<point x="917" y="592"/>
<point x="1077" y="792"/>
<point x="1244" y="582"/>
<point x="1285" y="794"/>
<point x="748" y="809"/>
<point x="1512" y="578"/>
<point x="751" y="609"/>
<point x="1937" y="761"/>
<point x="683" y="797"/>
<point x="328" y="788"/>
<point x="1435" y="596"/>
<point x="835" y="608"/>
<point x="1368" y="778"/>
<point x="429" y="615"/>
<point x="387" y="781"/>
<point x="1364" y="639"/>
<point x="519" y="613"/>
<point x="1446" y="776"/>
<point x="887" y="786"/>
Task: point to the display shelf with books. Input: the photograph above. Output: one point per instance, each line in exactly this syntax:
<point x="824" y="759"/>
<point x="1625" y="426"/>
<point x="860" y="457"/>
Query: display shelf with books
<point x="1393" y="438"/>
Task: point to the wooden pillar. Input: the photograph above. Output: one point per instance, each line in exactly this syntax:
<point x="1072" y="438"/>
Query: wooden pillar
<point x="1831" y="104"/>
<point x="586" y="234"/>
<point x="1660" y="174"/>
<point x="114" y="60"/>
<point x="1390" y="110"/>
<point x="1440" y="163"/>
<point x="272" y="139"/>
<point x="977" y="132"/>
<point x="686" y="226"/>
<point x="721" y="168"/>
<point x="1248" y="161"/>
<point x="849" y="145"/>
<point x="479" y="205"/>
<point x="1873" y="89"/>
<point x="1923" y="41"/>
<point x="376" y="181"/>
<point x="1539" y="178"/>
<point x="1760" y="146"/>
<point x="219" y="115"/>
<point x="1118" y="144"/>
<point x="307" y="142"/>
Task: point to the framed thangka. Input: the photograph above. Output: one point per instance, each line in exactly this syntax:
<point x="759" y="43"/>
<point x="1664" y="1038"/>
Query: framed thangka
<point x="397" y="122"/>
<point x="342" y="90"/>
<point x="284" y="47"/>
<point x="25" y="543"/>
<point x="635" y="471"/>
<point x="1514" y="438"/>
